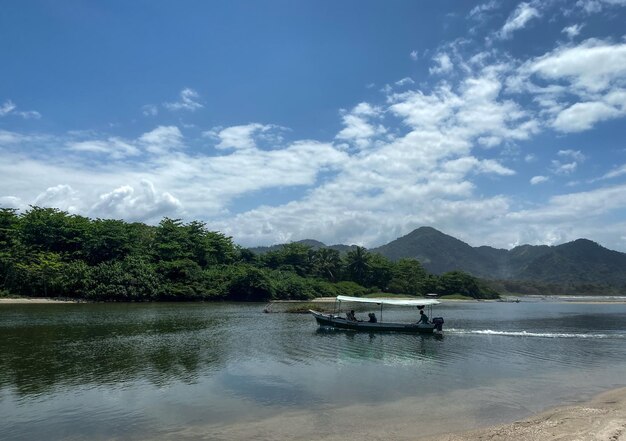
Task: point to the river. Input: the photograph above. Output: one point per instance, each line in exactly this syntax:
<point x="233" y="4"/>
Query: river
<point x="228" y="371"/>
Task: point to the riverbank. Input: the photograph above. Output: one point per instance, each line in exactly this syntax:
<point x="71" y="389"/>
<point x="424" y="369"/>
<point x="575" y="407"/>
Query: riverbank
<point x="602" y="418"/>
<point x="32" y="300"/>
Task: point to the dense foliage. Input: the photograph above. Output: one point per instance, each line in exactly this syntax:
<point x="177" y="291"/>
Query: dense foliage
<point x="47" y="252"/>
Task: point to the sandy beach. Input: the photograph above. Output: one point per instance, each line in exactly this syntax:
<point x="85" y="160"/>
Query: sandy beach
<point x="33" y="300"/>
<point x="600" y="419"/>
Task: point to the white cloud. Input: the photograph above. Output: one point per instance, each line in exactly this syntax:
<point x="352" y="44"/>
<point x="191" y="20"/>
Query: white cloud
<point x="576" y="206"/>
<point x="619" y="171"/>
<point x="7" y="137"/>
<point x="580" y="85"/>
<point x="158" y="141"/>
<point x="162" y="139"/>
<point x="464" y="165"/>
<point x="29" y="114"/>
<point x="595" y="6"/>
<point x="188" y="101"/>
<point x="573" y="30"/>
<point x="572" y="159"/>
<point x="443" y="64"/>
<point x="560" y="168"/>
<point x="238" y="137"/>
<point x="583" y="116"/>
<point x="405" y="81"/>
<point x="143" y="203"/>
<point x="518" y="19"/>
<point x="114" y="147"/>
<point x="12" y="202"/>
<point x="477" y="111"/>
<point x="150" y="110"/>
<point x="358" y="129"/>
<point x="592" y="66"/>
<point x="9" y="108"/>
<point x="577" y="155"/>
<point x="478" y="12"/>
<point x="418" y="168"/>
<point x="61" y="196"/>
<point x="491" y="166"/>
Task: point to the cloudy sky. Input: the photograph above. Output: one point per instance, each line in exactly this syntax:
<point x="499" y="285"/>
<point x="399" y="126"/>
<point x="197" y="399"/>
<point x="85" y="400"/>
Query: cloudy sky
<point x="498" y="122"/>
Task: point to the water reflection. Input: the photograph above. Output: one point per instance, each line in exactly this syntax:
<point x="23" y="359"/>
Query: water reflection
<point x="114" y="348"/>
<point x="91" y="371"/>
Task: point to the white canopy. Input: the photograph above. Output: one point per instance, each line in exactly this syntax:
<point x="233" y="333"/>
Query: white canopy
<point x="396" y="302"/>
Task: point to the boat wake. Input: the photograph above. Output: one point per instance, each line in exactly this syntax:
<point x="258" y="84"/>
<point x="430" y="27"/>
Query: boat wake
<point x="531" y="334"/>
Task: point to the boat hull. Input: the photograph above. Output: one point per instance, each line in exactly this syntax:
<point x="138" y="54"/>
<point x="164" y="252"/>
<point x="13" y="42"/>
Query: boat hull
<point x="333" y="321"/>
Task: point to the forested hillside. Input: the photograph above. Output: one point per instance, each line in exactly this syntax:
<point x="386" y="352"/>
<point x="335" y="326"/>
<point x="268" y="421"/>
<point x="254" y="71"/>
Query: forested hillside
<point x="50" y="253"/>
<point x="581" y="266"/>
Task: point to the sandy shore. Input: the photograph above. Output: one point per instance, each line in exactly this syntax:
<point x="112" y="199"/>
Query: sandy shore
<point x="601" y="419"/>
<point x="33" y="300"/>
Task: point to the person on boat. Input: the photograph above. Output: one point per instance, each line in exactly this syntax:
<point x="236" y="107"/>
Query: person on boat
<point x="372" y="317"/>
<point x="423" y="318"/>
<point x="350" y="316"/>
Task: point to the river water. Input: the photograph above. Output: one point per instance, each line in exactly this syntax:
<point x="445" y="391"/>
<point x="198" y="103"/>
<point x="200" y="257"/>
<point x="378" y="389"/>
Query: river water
<point x="228" y="371"/>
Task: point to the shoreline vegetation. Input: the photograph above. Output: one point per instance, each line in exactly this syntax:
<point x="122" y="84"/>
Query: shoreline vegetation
<point x="45" y="252"/>
<point x="324" y="304"/>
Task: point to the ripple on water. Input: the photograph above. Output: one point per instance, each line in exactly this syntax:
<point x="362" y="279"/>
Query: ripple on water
<point x="79" y="372"/>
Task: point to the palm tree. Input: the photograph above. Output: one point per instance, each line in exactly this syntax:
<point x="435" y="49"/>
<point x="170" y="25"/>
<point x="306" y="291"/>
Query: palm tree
<point x="357" y="264"/>
<point x="327" y="263"/>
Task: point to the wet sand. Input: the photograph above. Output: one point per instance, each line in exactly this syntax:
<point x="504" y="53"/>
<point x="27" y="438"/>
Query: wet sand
<point x="601" y="419"/>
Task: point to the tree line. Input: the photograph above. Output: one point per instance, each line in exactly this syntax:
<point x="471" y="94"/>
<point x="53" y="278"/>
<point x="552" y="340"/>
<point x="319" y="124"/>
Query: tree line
<point x="46" y="252"/>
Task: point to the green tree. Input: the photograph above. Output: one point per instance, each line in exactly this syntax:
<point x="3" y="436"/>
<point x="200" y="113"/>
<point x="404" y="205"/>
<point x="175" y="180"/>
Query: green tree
<point x="380" y="271"/>
<point x="131" y="279"/>
<point x="358" y="265"/>
<point x="290" y="286"/>
<point x="107" y="239"/>
<point x="8" y="244"/>
<point x="458" y="282"/>
<point x="171" y="241"/>
<point x="294" y="257"/>
<point x="409" y="277"/>
<point x="326" y="263"/>
<point x="248" y="283"/>
<point x="39" y="274"/>
<point x="52" y="230"/>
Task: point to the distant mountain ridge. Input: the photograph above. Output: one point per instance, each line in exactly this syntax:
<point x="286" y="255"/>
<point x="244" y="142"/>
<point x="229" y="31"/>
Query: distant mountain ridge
<point x="314" y="244"/>
<point x="578" y="262"/>
<point x="581" y="261"/>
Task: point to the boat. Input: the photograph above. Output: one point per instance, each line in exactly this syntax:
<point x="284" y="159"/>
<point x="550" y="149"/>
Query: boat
<point x="336" y="321"/>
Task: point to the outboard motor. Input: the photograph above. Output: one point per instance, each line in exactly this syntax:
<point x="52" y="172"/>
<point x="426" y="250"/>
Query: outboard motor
<point x="438" y="322"/>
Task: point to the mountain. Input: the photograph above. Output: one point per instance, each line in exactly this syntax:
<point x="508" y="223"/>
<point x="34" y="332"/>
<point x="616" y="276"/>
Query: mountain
<point x="439" y="252"/>
<point x="579" y="262"/>
<point x="314" y="244"/>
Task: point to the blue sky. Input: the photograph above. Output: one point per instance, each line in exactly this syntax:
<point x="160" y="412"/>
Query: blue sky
<point x="498" y="122"/>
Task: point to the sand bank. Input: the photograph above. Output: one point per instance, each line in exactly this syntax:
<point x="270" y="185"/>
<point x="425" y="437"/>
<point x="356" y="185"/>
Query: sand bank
<point x="601" y="419"/>
<point x="33" y="300"/>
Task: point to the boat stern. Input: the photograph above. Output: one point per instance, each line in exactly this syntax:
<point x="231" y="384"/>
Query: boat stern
<point x="438" y="322"/>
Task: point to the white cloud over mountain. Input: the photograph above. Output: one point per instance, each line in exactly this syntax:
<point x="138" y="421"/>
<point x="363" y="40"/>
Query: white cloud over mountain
<point x="444" y="152"/>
